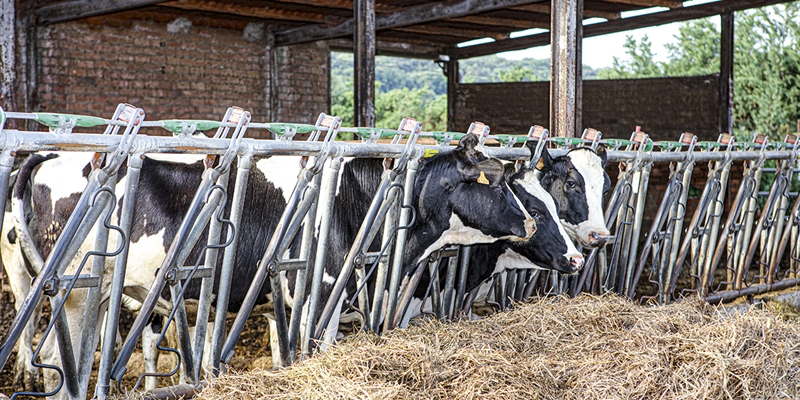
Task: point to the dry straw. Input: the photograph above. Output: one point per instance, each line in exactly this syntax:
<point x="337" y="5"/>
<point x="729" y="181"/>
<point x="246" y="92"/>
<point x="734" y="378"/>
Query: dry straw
<point x="554" y="348"/>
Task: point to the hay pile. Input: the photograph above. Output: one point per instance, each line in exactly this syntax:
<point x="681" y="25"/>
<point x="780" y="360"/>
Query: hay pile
<point x="584" y="348"/>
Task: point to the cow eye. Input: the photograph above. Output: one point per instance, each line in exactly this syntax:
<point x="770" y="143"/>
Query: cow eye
<point x="571" y="184"/>
<point x="535" y="215"/>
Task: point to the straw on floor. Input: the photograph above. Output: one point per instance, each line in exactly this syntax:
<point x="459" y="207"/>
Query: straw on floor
<point x="553" y="348"/>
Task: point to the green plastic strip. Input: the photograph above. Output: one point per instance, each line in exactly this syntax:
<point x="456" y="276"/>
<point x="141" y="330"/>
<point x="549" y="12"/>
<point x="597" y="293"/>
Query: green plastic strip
<point x="176" y="125"/>
<point x="365" y="133"/>
<point x="668" y="144"/>
<point x="562" y="141"/>
<point x="279" y="128"/>
<point x="709" y="145"/>
<point x="52" y="120"/>
<point x="439" y="136"/>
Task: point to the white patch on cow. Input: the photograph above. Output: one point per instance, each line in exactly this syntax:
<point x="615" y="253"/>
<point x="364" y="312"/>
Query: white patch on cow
<point x="60" y="177"/>
<point x="535" y="189"/>
<point x="510" y="259"/>
<point x="328" y="279"/>
<point x="176" y="158"/>
<point x="457" y="233"/>
<point x="345" y="160"/>
<point x="282" y="171"/>
<point x="590" y="166"/>
<point x="332" y="330"/>
<point x="144" y="253"/>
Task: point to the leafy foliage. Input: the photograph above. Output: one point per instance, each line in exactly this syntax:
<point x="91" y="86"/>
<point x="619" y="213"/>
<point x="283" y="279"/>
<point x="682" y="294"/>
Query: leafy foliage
<point x="418" y="88"/>
<point x="766" y="65"/>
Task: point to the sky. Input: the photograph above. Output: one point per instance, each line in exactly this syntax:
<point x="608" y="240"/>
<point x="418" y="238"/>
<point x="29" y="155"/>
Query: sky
<point x="599" y="51"/>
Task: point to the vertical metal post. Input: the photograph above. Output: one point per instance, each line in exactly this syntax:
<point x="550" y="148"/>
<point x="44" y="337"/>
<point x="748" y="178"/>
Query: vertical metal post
<point x="118" y="277"/>
<point x="563" y="60"/>
<point x="93" y="297"/>
<point x="364" y="62"/>
<point x="206" y="289"/>
<point x="726" y="73"/>
<point x="226" y="274"/>
<point x="397" y="259"/>
<point x="463" y="265"/>
<point x="325" y="204"/>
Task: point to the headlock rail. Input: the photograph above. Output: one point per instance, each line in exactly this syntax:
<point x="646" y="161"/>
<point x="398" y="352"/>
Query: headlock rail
<point x="724" y="241"/>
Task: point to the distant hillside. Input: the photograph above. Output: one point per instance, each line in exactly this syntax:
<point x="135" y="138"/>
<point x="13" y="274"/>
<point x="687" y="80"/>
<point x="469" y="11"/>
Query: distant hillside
<point x="418" y="88"/>
<point x="397" y="73"/>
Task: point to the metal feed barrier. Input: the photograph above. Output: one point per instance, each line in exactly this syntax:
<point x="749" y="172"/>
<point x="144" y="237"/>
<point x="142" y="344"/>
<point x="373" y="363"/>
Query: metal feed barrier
<point x="754" y="250"/>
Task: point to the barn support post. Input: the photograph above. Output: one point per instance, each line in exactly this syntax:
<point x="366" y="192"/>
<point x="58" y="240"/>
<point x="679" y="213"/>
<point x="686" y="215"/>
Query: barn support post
<point x="579" y="69"/>
<point x="563" y="66"/>
<point x="451" y="70"/>
<point x="726" y="73"/>
<point x="364" y="63"/>
<point x="8" y="55"/>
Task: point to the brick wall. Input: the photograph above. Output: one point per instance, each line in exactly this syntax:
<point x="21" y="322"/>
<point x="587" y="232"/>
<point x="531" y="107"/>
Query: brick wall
<point x="663" y="107"/>
<point x="301" y="87"/>
<point x="177" y="70"/>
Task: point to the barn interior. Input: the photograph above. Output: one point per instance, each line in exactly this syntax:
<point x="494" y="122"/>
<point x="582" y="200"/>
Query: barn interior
<point x="191" y="58"/>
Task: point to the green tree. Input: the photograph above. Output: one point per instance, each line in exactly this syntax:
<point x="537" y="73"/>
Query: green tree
<point x="696" y="51"/>
<point x="640" y="65"/>
<point x="767" y="70"/>
<point x="516" y="74"/>
<point x="766" y="65"/>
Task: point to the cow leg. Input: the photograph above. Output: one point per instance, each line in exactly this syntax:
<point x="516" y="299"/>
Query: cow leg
<point x="150" y="336"/>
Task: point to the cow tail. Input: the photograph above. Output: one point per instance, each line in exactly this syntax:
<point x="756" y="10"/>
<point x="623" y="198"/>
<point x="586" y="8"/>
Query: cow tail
<point x="19" y="210"/>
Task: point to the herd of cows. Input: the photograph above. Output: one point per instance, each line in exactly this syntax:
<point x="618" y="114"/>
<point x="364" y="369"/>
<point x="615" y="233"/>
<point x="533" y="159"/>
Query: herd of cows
<point x="526" y="217"/>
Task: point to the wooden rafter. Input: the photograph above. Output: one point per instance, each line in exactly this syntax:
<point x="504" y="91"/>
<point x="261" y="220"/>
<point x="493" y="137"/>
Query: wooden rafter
<point x="264" y="12"/>
<point x="620" y="25"/>
<point x="74" y="10"/>
<point x="455" y="32"/>
<point x="505" y="22"/>
<point x="403" y="17"/>
<point x="649" y="3"/>
<point x="544" y="8"/>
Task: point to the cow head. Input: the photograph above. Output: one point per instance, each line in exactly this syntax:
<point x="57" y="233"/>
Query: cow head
<point x="550" y="246"/>
<point x="462" y="197"/>
<point x="578" y="182"/>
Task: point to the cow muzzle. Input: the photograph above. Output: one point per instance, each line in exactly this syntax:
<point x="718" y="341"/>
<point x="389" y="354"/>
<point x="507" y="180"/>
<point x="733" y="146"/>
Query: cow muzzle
<point x="598" y="239"/>
<point x="576" y="263"/>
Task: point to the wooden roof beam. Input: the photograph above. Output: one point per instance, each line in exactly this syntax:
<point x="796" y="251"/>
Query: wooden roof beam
<point x="455" y="32"/>
<point x="650" y="3"/>
<point x="505" y="22"/>
<point x="402" y="17"/>
<point x="263" y="12"/>
<point x="620" y="25"/>
<point x="587" y="13"/>
<point x="79" y="9"/>
<point x="415" y="49"/>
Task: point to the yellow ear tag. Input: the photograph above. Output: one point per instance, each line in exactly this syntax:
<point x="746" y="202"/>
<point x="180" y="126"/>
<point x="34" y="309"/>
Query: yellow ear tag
<point x="482" y="179"/>
<point x="540" y="164"/>
<point x="430" y="153"/>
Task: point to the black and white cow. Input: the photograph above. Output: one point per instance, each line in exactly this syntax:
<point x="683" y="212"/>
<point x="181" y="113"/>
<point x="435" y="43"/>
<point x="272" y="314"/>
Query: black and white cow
<point x="578" y="183"/>
<point x="453" y="191"/>
<point x="444" y="190"/>
<point x="549" y="248"/>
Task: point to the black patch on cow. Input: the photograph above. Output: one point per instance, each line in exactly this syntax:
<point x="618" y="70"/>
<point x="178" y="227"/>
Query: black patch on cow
<point x="12" y="236"/>
<point x="26" y="171"/>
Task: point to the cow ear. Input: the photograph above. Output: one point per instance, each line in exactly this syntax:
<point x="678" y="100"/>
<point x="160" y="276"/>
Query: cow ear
<point x="545" y="163"/>
<point x="509" y="169"/>
<point x="470" y="149"/>
<point x="601" y="152"/>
